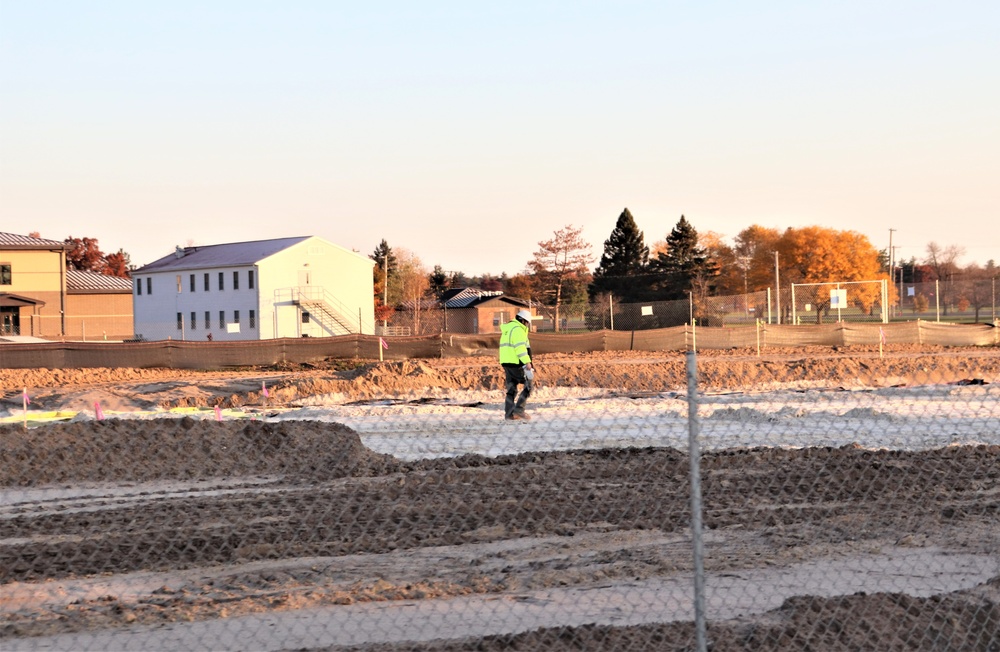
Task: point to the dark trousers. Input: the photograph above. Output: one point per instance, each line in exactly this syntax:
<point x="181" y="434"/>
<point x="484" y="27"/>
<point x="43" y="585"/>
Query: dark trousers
<point x="514" y="376"/>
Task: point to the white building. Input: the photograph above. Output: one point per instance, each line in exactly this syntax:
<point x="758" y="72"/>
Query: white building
<point x="288" y="287"/>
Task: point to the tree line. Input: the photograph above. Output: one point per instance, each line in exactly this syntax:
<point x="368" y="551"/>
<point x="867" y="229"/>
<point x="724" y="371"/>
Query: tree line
<point x="684" y="265"/>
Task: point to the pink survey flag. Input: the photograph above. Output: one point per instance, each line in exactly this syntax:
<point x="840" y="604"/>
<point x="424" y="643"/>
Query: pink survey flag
<point x="383" y="343"/>
<point x="881" y="335"/>
<point x="218" y="413"/>
<point x="263" y="388"/>
<point x="24" y="396"/>
<point x="98" y="412"/>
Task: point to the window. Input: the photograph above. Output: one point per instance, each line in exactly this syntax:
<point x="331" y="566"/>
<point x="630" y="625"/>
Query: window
<point x="178" y="284"/>
<point x="5" y="275"/>
<point x="305" y="318"/>
<point x="149" y="285"/>
<point x="253" y="315"/>
<point x="192" y="283"/>
<point x="180" y="321"/>
<point x="194" y="317"/>
<point x="208" y="315"/>
<point x="206" y="286"/>
<point x="236" y="280"/>
<point x="222" y="319"/>
<point x="236" y="316"/>
<point x="250" y="279"/>
<point x="222" y="281"/>
<point x="138" y="286"/>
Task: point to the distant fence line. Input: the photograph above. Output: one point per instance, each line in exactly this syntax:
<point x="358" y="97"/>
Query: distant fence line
<point x="172" y="354"/>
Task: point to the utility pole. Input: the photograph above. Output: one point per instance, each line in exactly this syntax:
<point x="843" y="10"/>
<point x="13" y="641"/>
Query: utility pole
<point x="900" y="281"/>
<point x="745" y="264"/>
<point x="777" y="287"/>
<point x="892" y="269"/>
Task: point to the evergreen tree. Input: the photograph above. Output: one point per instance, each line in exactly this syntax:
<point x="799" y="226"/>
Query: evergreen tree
<point x="684" y="265"/>
<point x="625" y="257"/>
<point x="383" y="251"/>
<point x="438" y="279"/>
<point x="383" y="272"/>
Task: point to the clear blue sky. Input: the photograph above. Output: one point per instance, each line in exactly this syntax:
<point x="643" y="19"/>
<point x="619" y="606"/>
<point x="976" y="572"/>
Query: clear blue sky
<point x="467" y="132"/>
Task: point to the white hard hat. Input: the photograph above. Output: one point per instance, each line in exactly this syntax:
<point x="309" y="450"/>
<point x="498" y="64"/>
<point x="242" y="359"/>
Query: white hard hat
<point x="524" y="314"/>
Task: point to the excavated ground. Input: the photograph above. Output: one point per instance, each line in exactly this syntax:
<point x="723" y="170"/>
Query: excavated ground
<point x="284" y="495"/>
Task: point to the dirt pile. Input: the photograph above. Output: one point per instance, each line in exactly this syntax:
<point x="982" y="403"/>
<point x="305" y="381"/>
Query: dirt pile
<point x="116" y="450"/>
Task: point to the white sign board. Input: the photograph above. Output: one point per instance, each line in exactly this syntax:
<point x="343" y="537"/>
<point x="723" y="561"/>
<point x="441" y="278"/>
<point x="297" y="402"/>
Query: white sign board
<point x="232" y="328"/>
<point x="647" y="311"/>
<point x="838" y="298"/>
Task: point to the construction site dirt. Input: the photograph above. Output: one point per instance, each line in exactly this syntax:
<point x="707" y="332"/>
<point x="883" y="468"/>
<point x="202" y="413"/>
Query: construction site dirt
<point x="119" y="526"/>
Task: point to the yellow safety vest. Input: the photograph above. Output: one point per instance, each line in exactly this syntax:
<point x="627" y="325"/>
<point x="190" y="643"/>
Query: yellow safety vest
<point x="514" y="343"/>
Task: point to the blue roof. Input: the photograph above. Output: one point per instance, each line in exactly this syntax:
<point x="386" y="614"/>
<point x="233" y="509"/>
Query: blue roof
<point x="233" y="254"/>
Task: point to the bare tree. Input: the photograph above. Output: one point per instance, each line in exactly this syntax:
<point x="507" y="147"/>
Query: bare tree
<point x="944" y="262"/>
<point x="562" y="265"/>
<point x="412" y="285"/>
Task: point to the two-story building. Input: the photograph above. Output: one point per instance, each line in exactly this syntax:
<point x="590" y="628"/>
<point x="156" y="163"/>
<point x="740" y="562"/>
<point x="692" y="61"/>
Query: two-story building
<point x="265" y="289"/>
<point x="39" y="297"/>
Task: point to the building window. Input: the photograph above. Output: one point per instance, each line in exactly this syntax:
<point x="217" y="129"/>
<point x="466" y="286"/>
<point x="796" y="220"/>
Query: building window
<point x="222" y="281"/>
<point x="178" y="284"/>
<point x="149" y="285"/>
<point x="194" y="318"/>
<point x="222" y="320"/>
<point x="5" y="275"/>
<point x="206" y="282"/>
<point x="192" y="283"/>
<point x="253" y="315"/>
<point x="305" y="318"/>
<point x="208" y="317"/>
<point x="138" y="286"/>
<point x="250" y="279"/>
<point x="236" y="316"/>
<point x="180" y="321"/>
<point x="236" y="280"/>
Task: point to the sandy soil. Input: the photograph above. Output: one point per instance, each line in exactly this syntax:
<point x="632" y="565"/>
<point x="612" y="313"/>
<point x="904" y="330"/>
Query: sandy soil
<point x="114" y="523"/>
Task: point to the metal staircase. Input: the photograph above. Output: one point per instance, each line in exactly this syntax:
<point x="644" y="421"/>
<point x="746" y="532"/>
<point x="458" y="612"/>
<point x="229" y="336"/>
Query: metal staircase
<point x="332" y="315"/>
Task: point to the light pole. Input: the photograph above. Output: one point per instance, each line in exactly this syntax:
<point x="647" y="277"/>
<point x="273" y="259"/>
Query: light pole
<point x="777" y="288"/>
<point x="745" y="260"/>
<point x="892" y="268"/>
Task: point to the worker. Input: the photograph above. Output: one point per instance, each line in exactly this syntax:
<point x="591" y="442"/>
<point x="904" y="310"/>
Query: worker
<point x="515" y="358"/>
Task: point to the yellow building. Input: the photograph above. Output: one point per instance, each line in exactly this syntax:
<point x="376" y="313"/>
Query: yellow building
<point x="40" y="298"/>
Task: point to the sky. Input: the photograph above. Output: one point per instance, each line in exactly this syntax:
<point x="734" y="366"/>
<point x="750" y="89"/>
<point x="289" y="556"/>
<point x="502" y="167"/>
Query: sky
<point x="467" y="133"/>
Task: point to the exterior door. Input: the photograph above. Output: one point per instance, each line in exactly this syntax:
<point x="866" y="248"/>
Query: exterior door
<point x="10" y="321"/>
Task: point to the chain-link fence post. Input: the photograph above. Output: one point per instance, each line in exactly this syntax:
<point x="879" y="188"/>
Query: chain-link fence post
<point x="696" y="540"/>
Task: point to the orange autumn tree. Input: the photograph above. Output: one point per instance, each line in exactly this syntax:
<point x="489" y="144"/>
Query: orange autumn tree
<point x="815" y="254"/>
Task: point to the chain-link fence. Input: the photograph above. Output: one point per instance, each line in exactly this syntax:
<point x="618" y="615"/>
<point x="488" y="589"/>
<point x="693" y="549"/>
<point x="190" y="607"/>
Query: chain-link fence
<point x="958" y="298"/>
<point x="89" y="328"/>
<point x="652" y="502"/>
